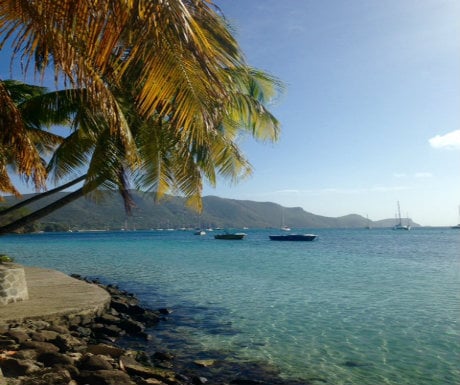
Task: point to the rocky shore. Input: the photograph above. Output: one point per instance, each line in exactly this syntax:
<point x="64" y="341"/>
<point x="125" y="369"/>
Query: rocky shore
<point x="82" y="350"/>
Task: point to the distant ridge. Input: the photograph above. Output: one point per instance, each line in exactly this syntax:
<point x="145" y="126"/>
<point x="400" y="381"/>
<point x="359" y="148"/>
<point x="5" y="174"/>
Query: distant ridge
<point x="171" y="212"/>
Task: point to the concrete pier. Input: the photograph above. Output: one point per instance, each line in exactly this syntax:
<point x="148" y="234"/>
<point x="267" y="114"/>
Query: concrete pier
<point x="52" y="294"/>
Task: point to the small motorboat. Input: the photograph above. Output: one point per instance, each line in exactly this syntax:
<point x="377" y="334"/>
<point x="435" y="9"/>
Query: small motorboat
<point x="230" y="236"/>
<point x="293" y="237"/>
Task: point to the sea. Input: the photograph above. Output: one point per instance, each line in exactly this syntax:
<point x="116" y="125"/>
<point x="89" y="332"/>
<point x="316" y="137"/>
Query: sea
<point x="355" y="306"/>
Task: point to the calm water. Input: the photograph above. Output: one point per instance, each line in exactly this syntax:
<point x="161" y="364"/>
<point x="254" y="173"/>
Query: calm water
<point x="354" y="307"/>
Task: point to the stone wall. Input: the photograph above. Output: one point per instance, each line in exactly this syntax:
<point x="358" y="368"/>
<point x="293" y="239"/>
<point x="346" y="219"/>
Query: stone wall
<point x="13" y="286"/>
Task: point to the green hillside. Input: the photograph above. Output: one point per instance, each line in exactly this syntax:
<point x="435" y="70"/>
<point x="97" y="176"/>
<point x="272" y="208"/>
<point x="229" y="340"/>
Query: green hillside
<point x="108" y="213"/>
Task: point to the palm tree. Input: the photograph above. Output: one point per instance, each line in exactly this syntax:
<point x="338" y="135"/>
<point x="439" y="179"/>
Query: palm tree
<point x="176" y="51"/>
<point x="165" y="88"/>
<point x="22" y="140"/>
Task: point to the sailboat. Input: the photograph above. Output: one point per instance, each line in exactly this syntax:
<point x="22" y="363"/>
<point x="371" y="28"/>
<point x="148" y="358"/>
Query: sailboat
<point x="399" y="225"/>
<point x="457" y="226"/>
<point x="368" y="225"/>
<point x="283" y="226"/>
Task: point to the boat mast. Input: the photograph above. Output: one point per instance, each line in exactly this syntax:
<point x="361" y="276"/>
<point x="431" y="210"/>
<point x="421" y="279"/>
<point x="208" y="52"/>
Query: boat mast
<point x="399" y="215"/>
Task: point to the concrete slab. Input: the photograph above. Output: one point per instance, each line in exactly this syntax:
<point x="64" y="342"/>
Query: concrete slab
<point x="53" y="294"/>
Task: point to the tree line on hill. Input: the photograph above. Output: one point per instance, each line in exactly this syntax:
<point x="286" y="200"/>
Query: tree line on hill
<point x="108" y="213"/>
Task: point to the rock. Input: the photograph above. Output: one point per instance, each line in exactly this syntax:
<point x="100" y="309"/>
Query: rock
<point x="67" y="342"/>
<point x="199" y="380"/>
<point x="12" y="367"/>
<point x="105" y="377"/>
<point x="2" y="379"/>
<point x="48" y="377"/>
<point x="204" y="363"/>
<point x="94" y="362"/>
<point x="119" y="305"/>
<point x="40" y="347"/>
<point x="81" y="331"/>
<point x="7" y="343"/>
<point x="135" y="368"/>
<point x="165" y="311"/>
<point x="50" y="335"/>
<point x="59" y="329"/>
<point x="26" y="354"/>
<point x="149" y="318"/>
<point x="108" y="330"/>
<point x="19" y="335"/>
<point x="105" y="350"/>
<point x="108" y="318"/>
<point x="131" y="326"/>
<point x="37" y="324"/>
<point x="149" y="381"/>
<point x="52" y="359"/>
<point x="163" y="356"/>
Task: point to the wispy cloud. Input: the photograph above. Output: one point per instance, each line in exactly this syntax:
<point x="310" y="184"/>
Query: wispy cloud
<point x="450" y="141"/>
<point x="333" y="190"/>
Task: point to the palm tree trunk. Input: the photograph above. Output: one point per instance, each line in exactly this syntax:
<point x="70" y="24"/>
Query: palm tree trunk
<point x="37" y="197"/>
<point x="42" y="212"/>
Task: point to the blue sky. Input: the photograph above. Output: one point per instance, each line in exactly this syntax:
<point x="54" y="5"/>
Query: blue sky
<point x="371" y="110"/>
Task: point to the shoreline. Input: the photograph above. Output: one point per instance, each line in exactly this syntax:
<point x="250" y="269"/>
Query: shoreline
<point x="110" y="348"/>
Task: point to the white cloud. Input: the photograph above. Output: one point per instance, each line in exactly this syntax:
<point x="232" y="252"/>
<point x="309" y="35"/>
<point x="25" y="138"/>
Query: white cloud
<point x="449" y="141"/>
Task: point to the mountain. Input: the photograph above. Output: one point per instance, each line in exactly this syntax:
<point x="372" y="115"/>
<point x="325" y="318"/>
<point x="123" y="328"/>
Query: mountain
<point x="108" y="213"/>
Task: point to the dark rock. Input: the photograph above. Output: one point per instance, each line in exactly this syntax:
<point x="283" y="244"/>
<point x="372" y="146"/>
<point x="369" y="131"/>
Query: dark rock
<point x="105" y="350"/>
<point x="163" y="356"/>
<point x="12" y="367"/>
<point x="135" y="368"/>
<point x="67" y="342"/>
<point x="94" y="362"/>
<point x="107" y="318"/>
<point x="52" y="359"/>
<point x="81" y="331"/>
<point x="199" y="380"/>
<point x="77" y="276"/>
<point x="44" y="335"/>
<point x="37" y="336"/>
<point x="108" y="330"/>
<point x="131" y="326"/>
<point x="165" y="311"/>
<point x="136" y="310"/>
<point x="47" y="377"/>
<point x="149" y="318"/>
<point x="7" y="343"/>
<point x="26" y="354"/>
<point x="40" y="347"/>
<point x="119" y="305"/>
<point x="18" y="335"/>
<point x="105" y="377"/>
<point x="59" y="329"/>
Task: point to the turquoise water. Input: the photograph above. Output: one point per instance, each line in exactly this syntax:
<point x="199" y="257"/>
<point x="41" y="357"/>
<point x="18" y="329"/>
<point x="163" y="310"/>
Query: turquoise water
<point x="353" y="307"/>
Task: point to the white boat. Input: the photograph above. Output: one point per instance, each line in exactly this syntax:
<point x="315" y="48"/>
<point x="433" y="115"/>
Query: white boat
<point x="200" y="232"/>
<point x="399" y="225"/>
